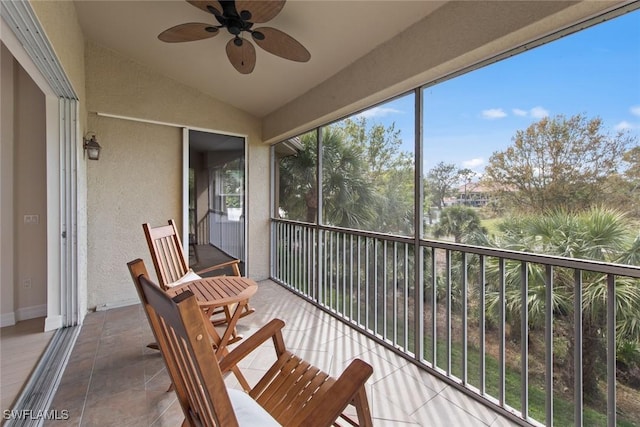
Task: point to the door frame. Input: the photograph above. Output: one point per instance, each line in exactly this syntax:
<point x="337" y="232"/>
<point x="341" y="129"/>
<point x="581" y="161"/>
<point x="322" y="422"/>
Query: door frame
<point x="65" y="303"/>
<point x="185" y="188"/>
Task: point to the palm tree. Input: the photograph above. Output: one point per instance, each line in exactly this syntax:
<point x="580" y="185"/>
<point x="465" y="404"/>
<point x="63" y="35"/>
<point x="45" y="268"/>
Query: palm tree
<point x="347" y="196"/>
<point x="598" y="234"/>
<point x="458" y="221"/>
<point x="297" y="181"/>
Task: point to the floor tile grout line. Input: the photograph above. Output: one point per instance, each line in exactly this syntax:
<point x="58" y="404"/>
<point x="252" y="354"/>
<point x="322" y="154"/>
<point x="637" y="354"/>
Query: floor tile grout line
<point x="95" y="358"/>
<point x="495" y="416"/>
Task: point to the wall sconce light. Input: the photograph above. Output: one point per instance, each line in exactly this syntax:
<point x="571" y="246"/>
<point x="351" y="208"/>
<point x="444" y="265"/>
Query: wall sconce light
<point x="91" y="146"/>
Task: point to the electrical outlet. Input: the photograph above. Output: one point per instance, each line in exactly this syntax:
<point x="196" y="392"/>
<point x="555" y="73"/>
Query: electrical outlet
<point x="32" y="219"/>
<point x="27" y="283"/>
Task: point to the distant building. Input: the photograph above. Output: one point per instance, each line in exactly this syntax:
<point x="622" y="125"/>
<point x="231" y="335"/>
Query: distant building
<point x="474" y="194"/>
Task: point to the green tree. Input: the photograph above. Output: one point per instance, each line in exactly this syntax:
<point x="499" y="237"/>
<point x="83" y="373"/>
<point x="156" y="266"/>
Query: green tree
<point x="297" y="181"/>
<point x="557" y="163"/>
<point x="367" y="181"/>
<point x="348" y="198"/>
<point x="598" y="234"/>
<point x="442" y="178"/>
<point x="458" y="221"/>
<point x="390" y="173"/>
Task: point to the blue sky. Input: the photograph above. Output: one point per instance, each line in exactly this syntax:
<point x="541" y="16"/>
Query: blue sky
<point x="595" y="72"/>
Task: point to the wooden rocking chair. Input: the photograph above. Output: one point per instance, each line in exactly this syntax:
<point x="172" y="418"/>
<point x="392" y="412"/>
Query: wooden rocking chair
<point x="291" y="393"/>
<point x="172" y="268"/>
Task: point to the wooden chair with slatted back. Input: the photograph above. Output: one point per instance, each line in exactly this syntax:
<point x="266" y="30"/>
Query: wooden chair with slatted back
<point x="291" y="393"/>
<point x="171" y="264"/>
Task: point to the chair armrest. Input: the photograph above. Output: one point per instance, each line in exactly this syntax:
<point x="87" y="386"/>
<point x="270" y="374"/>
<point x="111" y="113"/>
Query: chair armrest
<point x="327" y="409"/>
<point x="220" y="266"/>
<point x="273" y="329"/>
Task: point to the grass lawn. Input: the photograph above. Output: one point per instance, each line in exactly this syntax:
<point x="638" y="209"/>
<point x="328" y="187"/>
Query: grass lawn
<point x="562" y="409"/>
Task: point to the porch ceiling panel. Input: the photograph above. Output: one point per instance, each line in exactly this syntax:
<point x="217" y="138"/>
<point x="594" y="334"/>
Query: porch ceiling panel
<point x="335" y="32"/>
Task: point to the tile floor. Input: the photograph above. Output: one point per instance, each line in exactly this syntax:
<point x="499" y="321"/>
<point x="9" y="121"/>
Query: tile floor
<point x="113" y="379"/>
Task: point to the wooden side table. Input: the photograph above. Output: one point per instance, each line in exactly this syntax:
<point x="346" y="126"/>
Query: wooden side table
<point x="220" y="291"/>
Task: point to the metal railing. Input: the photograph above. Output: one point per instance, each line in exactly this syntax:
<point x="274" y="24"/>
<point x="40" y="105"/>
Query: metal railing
<point x="227" y="234"/>
<point x="457" y="311"/>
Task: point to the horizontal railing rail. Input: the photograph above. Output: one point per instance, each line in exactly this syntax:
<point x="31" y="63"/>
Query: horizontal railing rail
<point x="500" y="325"/>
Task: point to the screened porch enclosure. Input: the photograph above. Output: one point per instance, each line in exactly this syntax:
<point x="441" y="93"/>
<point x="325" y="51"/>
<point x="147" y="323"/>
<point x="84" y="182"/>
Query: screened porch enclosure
<point x="460" y="314"/>
<point x="480" y="233"/>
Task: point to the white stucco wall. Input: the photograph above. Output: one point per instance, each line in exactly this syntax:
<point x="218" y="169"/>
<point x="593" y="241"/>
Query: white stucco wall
<point x="139" y="175"/>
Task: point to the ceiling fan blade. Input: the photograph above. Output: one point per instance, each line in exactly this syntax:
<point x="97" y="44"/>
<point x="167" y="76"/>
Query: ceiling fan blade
<point x="281" y="44"/>
<point x="261" y="11"/>
<point x="243" y="58"/>
<point x="188" y="32"/>
<point x="209" y="6"/>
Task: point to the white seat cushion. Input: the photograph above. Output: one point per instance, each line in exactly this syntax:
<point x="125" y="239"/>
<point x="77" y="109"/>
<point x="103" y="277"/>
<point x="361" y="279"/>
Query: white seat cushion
<point x="188" y="277"/>
<point x="248" y="412"/>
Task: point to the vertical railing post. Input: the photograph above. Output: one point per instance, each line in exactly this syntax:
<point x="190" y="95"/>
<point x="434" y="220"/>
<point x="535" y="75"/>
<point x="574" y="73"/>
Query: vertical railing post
<point x="418" y="230"/>
<point x="385" y="296"/>
<point x="319" y="218"/>
<point x="481" y="325"/>
<point x="434" y="309"/>
<point x="406" y="297"/>
<point x="577" y="349"/>
<point x="502" y="323"/>
<point x="549" y="345"/>
<point x="464" y="317"/>
<point x="524" y="340"/>
<point x="395" y="295"/>
<point x="448" y="310"/>
<point x="351" y="277"/>
<point x="359" y="278"/>
<point x="366" y="282"/>
<point x="344" y="274"/>
<point x="611" y="350"/>
<point x="375" y="286"/>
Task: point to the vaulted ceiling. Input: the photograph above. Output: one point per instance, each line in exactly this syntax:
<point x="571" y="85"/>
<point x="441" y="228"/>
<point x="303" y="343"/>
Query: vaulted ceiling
<point x="336" y="33"/>
<point x="362" y="51"/>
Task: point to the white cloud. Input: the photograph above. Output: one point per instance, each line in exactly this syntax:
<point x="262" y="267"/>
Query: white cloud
<point x="538" y="112"/>
<point x="378" y="112"/>
<point x="624" y="125"/>
<point x="635" y="110"/>
<point x="519" y="112"/>
<point x="473" y="163"/>
<point x="493" y="113"/>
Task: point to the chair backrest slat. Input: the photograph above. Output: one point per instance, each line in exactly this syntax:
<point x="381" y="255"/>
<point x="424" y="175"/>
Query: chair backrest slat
<point x="179" y="329"/>
<point x="166" y="252"/>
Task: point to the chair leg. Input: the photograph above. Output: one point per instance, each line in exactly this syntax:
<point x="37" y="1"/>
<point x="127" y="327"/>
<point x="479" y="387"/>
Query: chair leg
<point x="361" y="403"/>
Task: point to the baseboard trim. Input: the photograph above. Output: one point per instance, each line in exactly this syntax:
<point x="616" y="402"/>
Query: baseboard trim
<point x="117" y="304"/>
<point x="26" y="313"/>
<point x="7" y="319"/>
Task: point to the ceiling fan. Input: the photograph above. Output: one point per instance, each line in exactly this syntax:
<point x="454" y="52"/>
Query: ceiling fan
<point x="239" y="17"/>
